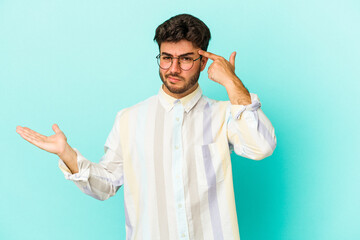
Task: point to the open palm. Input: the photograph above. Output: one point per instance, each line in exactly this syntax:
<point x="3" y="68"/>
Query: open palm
<point x="54" y="144"/>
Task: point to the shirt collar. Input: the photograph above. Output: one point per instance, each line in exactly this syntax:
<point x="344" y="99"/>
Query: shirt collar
<point x="188" y="101"/>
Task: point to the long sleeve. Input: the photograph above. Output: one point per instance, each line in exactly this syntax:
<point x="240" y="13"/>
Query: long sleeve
<point x="250" y="133"/>
<point x="100" y="180"/>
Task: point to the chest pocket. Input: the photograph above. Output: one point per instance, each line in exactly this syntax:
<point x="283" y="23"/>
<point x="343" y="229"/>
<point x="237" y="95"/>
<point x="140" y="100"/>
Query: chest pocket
<point x="212" y="162"/>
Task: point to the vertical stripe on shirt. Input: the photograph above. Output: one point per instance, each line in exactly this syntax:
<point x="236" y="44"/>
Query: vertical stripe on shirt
<point x="159" y="172"/>
<point x="177" y="167"/>
<point x="140" y="143"/>
<point x="210" y="175"/>
<point x="192" y="183"/>
<point x="265" y="131"/>
<point x="127" y="222"/>
<point x="129" y="177"/>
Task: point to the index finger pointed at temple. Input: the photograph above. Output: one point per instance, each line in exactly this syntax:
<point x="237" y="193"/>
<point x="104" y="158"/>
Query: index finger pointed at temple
<point x="208" y="54"/>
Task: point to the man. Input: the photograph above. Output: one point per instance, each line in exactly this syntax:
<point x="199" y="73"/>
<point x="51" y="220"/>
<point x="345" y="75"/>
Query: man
<point x="171" y="152"/>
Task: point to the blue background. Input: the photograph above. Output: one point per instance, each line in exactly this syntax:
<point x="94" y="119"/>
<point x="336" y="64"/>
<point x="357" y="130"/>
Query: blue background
<point x="77" y="63"/>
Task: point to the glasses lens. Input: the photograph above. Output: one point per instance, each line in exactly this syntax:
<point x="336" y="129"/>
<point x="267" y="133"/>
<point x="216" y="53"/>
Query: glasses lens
<point x="186" y="63"/>
<point x="164" y="62"/>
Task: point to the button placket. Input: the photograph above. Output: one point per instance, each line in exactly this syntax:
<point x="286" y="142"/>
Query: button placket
<point x="177" y="166"/>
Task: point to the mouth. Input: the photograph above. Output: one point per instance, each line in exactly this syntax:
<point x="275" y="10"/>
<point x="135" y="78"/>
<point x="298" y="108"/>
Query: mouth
<point x="174" y="80"/>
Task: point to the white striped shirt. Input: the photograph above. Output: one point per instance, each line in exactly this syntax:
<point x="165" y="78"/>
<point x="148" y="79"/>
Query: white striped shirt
<point x="172" y="158"/>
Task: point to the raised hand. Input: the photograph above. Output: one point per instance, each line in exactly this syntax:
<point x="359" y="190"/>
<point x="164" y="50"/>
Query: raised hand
<point x="222" y="71"/>
<point x="54" y="144"/>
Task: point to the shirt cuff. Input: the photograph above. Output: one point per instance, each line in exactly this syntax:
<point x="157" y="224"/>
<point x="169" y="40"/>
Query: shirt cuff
<point x="237" y="110"/>
<point x="83" y="165"/>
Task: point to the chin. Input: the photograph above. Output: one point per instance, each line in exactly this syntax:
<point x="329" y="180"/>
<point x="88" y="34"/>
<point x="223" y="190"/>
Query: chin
<point x="176" y="90"/>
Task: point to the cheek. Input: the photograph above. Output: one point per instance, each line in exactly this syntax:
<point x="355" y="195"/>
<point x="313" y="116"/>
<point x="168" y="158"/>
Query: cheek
<point x="163" y="72"/>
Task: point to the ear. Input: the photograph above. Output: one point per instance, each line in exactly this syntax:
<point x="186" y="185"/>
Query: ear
<point x="203" y="63"/>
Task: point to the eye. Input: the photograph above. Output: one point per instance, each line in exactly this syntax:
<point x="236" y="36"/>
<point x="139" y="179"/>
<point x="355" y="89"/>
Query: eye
<point x="165" y="58"/>
<point x="185" y="59"/>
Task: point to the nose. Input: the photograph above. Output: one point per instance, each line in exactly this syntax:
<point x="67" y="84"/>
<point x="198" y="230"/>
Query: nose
<point x="175" y="66"/>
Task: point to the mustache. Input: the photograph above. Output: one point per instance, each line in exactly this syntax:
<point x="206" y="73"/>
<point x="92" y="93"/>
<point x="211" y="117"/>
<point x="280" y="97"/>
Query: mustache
<point x="174" y="75"/>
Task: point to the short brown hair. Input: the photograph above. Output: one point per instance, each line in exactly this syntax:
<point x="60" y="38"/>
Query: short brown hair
<point x="183" y="27"/>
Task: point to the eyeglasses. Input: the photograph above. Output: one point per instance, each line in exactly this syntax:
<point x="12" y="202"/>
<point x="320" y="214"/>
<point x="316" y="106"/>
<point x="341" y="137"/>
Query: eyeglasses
<point x="185" y="63"/>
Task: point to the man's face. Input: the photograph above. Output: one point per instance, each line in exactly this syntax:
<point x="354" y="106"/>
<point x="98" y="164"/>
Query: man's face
<point x="179" y="83"/>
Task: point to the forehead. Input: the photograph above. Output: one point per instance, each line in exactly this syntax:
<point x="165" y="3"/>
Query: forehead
<point x="178" y="48"/>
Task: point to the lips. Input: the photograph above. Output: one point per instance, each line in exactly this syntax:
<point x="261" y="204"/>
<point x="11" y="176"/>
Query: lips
<point x="174" y="80"/>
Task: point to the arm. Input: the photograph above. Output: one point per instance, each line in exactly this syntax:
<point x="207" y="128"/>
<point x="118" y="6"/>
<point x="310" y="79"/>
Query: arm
<point x="56" y="144"/>
<point x="223" y="72"/>
<point x="99" y="180"/>
<point x="69" y="157"/>
<point x="249" y="131"/>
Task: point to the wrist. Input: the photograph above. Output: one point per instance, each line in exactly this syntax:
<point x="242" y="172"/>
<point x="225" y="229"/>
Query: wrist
<point x="69" y="157"/>
<point x="232" y="82"/>
<point x="66" y="151"/>
<point x="238" y="94"/>
<point x="240" y="100"/>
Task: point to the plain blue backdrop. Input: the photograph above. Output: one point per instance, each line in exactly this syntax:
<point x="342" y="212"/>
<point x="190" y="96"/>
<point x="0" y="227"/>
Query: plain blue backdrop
<point x="77" y="63"/>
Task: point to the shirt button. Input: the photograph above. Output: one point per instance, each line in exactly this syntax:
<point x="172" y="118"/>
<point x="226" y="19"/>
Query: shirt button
<point x="176" y="147"/>
<point x="178" y="176"/>
<point x="180" y="205"/>
<point x="183" y="235"/>
<point x="177" y="119"/>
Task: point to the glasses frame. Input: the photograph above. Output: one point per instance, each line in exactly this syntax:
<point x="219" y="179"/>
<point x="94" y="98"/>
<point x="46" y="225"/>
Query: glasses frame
<point x="158" y="62"/>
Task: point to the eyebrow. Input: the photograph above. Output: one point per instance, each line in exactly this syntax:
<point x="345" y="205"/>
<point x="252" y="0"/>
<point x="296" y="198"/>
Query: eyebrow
<point x="182" y="55"/>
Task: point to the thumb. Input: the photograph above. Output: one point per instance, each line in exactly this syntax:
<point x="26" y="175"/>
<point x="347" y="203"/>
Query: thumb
<point x="56" y="128"/>
<point x="232" y="59"/>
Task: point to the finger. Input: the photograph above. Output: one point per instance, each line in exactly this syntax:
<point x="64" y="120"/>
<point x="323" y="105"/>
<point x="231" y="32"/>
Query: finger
<point x="56" y="128"/>
<point x="208" y="54"/>
<point x="33" y="133"/>
<point x="210" y="75"/>
<point x="232" y="58"/>
<point x="30" y="138"/>
<point x="29" y="135"/>
<point x="18" y="129"/>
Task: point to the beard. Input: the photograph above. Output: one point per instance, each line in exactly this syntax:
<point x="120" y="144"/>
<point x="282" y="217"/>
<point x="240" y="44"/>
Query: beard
<point x="192" y="81"/>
